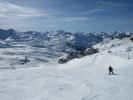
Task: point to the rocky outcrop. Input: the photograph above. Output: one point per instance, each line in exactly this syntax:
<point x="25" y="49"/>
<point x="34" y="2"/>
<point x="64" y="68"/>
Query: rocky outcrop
<point x="24" y="61"/>
<point x="131" y="39"/>
<point x="72" y="55"/>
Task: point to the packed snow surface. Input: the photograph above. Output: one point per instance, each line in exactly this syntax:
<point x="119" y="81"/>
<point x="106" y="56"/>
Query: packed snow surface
<point x="80" y="79"/>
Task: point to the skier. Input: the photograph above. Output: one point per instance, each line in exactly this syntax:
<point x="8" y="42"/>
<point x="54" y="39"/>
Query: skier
<point x="110" y="70"/>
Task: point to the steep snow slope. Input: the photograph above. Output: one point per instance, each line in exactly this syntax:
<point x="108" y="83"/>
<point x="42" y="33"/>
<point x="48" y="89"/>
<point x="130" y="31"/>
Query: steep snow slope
<point x="80" y="79"/>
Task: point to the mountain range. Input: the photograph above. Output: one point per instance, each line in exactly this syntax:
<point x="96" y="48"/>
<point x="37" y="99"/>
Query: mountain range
<point x="46" y="46"/>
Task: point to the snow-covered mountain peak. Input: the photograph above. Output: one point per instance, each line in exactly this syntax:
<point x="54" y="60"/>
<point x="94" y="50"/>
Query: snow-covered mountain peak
<point x="52" y="44"/>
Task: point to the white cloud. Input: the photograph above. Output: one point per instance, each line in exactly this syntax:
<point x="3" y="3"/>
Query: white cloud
<point x="69" y="19"/>
<point x="9" y="10"/>
<point x="97" y="10"/>
<point x="107" y="6"/>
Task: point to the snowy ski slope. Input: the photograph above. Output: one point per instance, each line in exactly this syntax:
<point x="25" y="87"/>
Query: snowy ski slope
<point x="80" y="79"/>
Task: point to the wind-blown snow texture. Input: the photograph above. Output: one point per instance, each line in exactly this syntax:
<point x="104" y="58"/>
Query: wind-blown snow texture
<point x="79" y="79"/>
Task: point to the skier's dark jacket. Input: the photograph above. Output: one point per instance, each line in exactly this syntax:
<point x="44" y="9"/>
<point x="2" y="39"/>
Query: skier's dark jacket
<point x="110" y="69"/>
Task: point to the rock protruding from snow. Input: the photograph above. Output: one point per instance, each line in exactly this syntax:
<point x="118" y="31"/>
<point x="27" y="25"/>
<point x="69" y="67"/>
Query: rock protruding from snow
<point x="72" y="55"/>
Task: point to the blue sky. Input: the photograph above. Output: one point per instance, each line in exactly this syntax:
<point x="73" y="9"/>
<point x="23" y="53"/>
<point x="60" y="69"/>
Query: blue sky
<point x="69" y="15"/>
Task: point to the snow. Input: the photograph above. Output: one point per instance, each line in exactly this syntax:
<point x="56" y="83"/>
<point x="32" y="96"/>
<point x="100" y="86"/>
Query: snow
<point x="80" y="79"/>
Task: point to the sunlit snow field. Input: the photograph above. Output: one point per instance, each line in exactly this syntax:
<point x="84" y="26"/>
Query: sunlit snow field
<point x="80" y="79"/>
